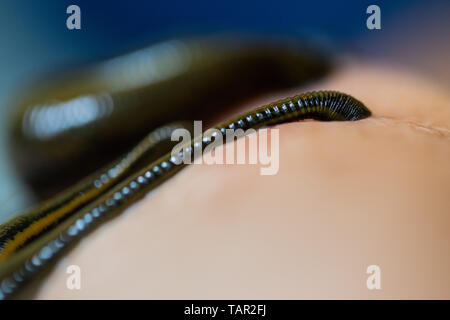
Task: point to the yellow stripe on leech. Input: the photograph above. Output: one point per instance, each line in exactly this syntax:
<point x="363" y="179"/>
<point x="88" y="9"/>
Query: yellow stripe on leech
<point x="36" y="227"/>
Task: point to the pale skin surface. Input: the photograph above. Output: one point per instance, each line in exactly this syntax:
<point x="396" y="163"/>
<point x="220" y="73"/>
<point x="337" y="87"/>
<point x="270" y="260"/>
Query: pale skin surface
<point x="347" y="195"/>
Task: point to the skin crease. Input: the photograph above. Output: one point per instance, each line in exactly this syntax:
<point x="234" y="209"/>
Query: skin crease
<point x="347" y="195"/>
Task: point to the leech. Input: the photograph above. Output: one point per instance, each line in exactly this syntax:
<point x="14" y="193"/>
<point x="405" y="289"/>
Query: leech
<point x="29" y="244"/>
<point x="93" y="114"/>
<point x="19" y="231"/>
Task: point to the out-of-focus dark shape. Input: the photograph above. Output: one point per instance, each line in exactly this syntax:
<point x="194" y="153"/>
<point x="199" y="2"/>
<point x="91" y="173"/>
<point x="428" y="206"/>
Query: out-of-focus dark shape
<point x="71" y="125"/>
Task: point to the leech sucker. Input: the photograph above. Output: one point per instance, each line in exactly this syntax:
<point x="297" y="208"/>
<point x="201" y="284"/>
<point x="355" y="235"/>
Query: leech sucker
<point x="21" y="262"/>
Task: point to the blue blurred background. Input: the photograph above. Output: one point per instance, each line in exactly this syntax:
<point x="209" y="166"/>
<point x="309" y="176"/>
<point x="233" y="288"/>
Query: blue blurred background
<point x="34" y="40"/>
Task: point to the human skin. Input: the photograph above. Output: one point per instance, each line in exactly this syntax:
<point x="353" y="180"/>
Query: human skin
<point x="347" y="195"/>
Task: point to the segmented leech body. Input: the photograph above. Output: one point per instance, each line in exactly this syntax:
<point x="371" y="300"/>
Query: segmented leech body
<point x="21" y="230"/>
<point x="94" y="113"/>
<point x="32" y="258"/>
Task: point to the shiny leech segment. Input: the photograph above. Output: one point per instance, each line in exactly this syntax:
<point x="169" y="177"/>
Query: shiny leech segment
<point x="32" y="258"/>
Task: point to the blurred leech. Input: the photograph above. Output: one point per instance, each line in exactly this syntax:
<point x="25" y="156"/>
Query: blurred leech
<point x="92" y="116"/>
<point x="74" y="125"/>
